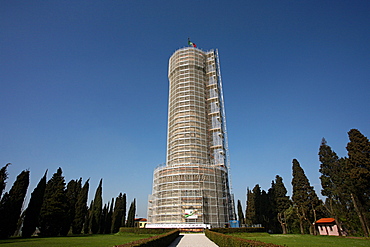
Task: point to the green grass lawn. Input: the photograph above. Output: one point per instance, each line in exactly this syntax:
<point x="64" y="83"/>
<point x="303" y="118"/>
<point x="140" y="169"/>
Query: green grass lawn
<point x="297" y="240"/>
<point x="73" y="241"/>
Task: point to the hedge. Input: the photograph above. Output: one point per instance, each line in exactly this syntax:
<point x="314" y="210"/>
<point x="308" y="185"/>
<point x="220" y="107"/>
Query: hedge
<point x="223" y="240"/>
<point x="145" y="230"/>
<point x="159" y="240"/>
<point x="239" y="229"/>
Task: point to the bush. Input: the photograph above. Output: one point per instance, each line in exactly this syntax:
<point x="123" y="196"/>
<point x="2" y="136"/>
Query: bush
<point x="238" y="230"/>
<point x="144" y="230"/>
<point x="223" y="240"/>
<point x="160" y="240"/>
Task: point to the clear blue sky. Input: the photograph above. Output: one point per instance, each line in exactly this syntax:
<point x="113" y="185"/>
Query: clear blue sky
<point x="83" y="85"/>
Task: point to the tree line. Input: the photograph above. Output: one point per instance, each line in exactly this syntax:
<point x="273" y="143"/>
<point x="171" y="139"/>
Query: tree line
<point x="57" y="209"/>
<point x="345" y="184"/>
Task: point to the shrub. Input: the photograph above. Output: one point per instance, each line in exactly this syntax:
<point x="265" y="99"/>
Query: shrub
<point x="223" y="240"/>
<point x="160" y="240"/>
<point x="238" y="230"/>
<point x="144" y="230"/>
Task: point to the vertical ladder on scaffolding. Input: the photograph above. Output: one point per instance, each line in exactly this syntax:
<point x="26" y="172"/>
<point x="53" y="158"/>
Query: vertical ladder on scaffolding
<point x="226" y="145"/>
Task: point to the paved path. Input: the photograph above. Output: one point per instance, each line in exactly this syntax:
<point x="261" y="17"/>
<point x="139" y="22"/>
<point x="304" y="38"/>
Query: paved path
<point x="192" y="240"/>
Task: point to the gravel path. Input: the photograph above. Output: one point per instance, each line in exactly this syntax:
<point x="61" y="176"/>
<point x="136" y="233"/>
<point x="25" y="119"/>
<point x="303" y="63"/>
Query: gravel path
<point x="192" y="240"/>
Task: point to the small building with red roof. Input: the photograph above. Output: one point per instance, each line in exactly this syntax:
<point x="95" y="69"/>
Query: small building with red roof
<point x="140" y="222"/>
<point x="327" y="226"/>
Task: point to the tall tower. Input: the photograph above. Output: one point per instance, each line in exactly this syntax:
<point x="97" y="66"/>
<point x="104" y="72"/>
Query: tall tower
<point x="193" y="186"/>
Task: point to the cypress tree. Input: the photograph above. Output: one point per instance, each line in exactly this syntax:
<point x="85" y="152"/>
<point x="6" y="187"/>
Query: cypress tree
<point x="131" y="214"/>
<point x="103" y="218"/>
<point x="119" y="213"/>
<point x="108" y="224"/>
<point x="257" y="194"/>
<point x="257" y="207"/>
<point x="240" y="214"/>
<point x="332" y="182"/>
<point x="72" y="192"/>
<point x="87" y="224"/>
<point x="281" y="202"/>
<point x="124" y="206"/>
<point x="250" y="211"/>
<point x="11" y="205"/>
<point x="265" y="211"/>
<point x="272" y="212"/>
<point x="18" y="229"/>
<point x="300" y="193"/>
<point x="81" y="209"/>
<point x="304" y="197"/>
<point x="358" y="182"/>
<point x="97" y="209"/>
<point x="55" y="207"/>
<point x="32" y="213"/>
<point x="329" y="170"/>
<point x="3" y="178"/>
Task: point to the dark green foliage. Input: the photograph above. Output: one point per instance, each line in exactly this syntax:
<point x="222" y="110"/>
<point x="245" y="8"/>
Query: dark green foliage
<point x="3" y="178"/>
<point x="223" y="240"/>
<point x="124" y="212"/>
<point x="334" y="175"/>
<point x="272" y="224"/>
<point x="238" y="230"/>
<point x="292" y="221"/>
<point x="280" y="195"/>
<point x="301" y="188"/>
<point x="240" y="214"/>
<point x="161" y="240"/>
<point x="250" y="211"/>
<point x="32" y="213"/>
<point x="11" y="205"/>
<point x="304" y="197"/>
<point x="345" y="183"/>
<point x="72" y="192"/>
<point x="265" y="211"/>
<point x="87" y="224"/>
<point x="97" y="209"/>
<point x="108" y="220"/>
<point x="80" y="209"/>
<point x="18" y="231"/>
<point x="131" y="214"/>
<point x="55" y="206"/>
<point x="119" y="213"/>
<point x="358" y="167"/>
<point x="144" y="230"/>
<point x="257" y="207"/>
<point x="257" y="194"/>
<point x="103" y="218"/>
<point x="279" y="203"/>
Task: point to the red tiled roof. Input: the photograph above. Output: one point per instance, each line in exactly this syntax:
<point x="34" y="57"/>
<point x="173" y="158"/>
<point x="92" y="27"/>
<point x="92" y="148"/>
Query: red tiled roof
<point x="140" y="219"/>
<point x="326" y="220"/>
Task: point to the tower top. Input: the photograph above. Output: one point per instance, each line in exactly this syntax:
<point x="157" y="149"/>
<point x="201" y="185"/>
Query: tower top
<point x="191" y="43"/>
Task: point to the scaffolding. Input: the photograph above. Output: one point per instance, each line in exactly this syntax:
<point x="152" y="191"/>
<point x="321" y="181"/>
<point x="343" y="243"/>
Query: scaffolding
<point x="189" y="194"/>
<point x="193" y="186"/>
